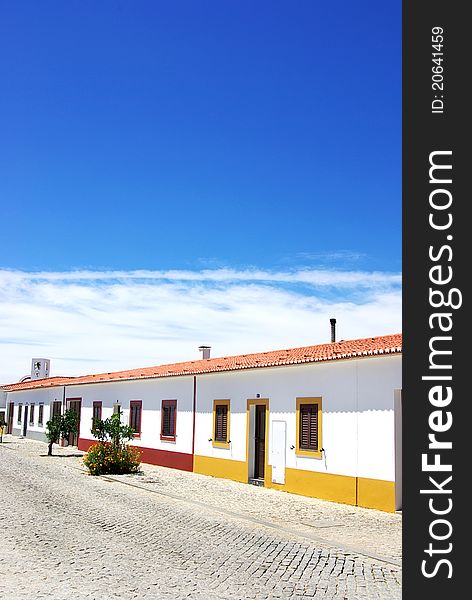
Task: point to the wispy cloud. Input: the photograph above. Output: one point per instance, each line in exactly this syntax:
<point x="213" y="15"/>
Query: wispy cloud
<point x="341" y="256"/>
<point x="89" y="321"/>
<point x="314" y="277"/>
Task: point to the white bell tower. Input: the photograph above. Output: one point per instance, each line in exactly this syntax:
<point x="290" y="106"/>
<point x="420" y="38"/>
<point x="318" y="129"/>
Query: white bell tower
<point x="40" y="368"/>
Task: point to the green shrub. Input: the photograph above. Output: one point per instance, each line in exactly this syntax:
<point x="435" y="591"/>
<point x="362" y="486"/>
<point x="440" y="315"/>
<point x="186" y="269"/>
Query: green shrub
<point x="112" y="455"/>
<point x="104" y="458"/>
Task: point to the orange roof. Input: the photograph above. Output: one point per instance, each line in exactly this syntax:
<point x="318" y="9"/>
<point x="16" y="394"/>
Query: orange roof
<point x="37" y="383"/>
<point x="387" y="344"/>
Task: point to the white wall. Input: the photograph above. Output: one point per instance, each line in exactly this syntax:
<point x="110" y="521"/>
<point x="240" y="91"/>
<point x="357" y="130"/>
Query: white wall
<point x="37" y="396"/>
<point x="357" y="408"/>
<point x="151" y="392"/>
<point x="377" y="382"/>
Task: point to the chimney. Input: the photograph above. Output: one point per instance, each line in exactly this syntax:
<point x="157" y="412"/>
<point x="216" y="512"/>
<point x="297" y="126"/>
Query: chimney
<point x="333" y="330"/>
<point x="205" y="350"/>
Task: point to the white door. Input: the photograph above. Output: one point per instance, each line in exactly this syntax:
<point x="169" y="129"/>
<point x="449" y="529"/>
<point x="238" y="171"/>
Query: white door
<point x="278" y="451"/>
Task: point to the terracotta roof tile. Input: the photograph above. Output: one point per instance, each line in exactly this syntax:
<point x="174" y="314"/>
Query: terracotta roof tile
<point x="342" y="350"/>
<point x="38" y="383"/>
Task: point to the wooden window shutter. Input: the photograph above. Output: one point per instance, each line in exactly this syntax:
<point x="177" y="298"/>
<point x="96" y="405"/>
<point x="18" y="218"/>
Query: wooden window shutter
<point x="313" y="442"/>
<point x="166" y="424"/>
<point x="96" y="413"/>
<point x="309" y="427"/>
<point x="97" y="410"/>
<point x="135" y="416"/>
<point x="221" y="423"/>
<point x="168" y="420"/>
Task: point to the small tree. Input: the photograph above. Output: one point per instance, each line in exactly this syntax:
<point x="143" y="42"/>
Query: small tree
<point x="69" y="423"/>
<point x="112" y="430"/>
<point x="61" y="425"/>
<point x="112" y="454"/>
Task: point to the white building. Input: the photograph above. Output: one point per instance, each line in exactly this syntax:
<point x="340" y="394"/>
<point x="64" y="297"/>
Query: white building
<point x="3" y="406"/>
<point x="322" y="421"/>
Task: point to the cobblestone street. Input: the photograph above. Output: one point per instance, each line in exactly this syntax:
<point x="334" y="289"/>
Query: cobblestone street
<point x="174" y="535"/>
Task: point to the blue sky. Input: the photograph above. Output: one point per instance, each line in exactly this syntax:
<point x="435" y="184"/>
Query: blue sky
<point x="190" y="140"/>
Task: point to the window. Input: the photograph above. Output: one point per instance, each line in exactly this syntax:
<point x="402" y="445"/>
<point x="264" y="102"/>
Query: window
<point x="168" y="419"/>
<point x="96" y="413"/>
<point x="40" y="414"/>
<point x="221" y="423"/>
<point x="31" y="414"/>
<point x="56" y="408"/>
<point x="135" y="416"/>
<point x="309" y="427"/>
<point x="20" y="412"/>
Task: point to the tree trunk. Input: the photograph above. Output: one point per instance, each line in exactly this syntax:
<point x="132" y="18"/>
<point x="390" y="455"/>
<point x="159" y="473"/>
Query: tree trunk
<point x="50" y="449"/>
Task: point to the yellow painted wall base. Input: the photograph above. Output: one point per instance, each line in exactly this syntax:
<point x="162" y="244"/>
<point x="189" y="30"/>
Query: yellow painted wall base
<point x="337" y="488"/>
<point x="220" y="467"/>
<point x="374" y="493"/>
<point x="371" y="493"/>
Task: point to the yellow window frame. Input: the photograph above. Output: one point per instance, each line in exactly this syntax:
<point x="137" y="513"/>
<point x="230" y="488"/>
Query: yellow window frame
<point x="214" y="442"/>
<point x="302" y="451"/>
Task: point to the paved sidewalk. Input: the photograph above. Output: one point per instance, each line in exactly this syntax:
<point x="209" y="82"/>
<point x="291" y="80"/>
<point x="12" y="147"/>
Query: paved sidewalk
<point x="365" y="531"/>
<point x="170" y="534"/>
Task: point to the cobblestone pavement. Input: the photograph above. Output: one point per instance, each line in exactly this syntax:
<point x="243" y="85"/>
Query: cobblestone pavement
<point x="66" y="535"/>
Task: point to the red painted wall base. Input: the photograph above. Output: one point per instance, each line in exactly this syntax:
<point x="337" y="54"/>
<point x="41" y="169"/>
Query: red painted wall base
<point x="153" y="456"/>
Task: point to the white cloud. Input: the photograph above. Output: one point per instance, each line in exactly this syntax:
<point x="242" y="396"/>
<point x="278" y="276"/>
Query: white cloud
<point x="315" y="277"/>
<point x="88" y="321"/>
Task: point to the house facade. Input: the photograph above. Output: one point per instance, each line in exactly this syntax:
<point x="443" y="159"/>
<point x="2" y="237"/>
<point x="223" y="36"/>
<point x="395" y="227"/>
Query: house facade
<point x="322" y="421"/>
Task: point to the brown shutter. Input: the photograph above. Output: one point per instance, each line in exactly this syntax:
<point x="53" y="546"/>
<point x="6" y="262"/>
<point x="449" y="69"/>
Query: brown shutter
<point x="135" y="416"/>
<point x="221" y="423"/>
<point x="165" y="420"/>
<point x="97" y="410"/>
<point x="308" y="427"/>
<point x="218" y="424"/>
<point x="172" y="419"/>
<point x="304" y="426"/>
<point x="313" y="442"/>
<point x="168" y="420"/>
<point x="224" y="423"/>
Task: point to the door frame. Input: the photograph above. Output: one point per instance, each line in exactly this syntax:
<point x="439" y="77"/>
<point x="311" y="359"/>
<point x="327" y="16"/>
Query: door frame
<point x="250" y="449"/>
<point x="11" y="408"/>
<point x="68" y="401"/>
<point x="260" y="435"/>
<point x="24" y="425"/>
